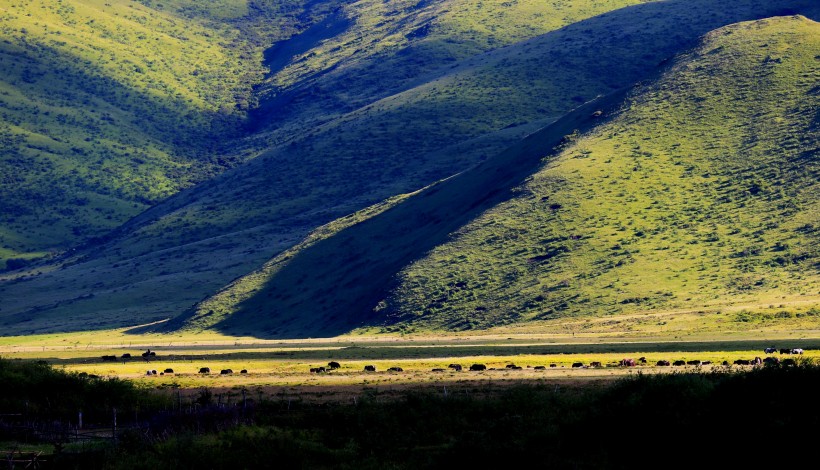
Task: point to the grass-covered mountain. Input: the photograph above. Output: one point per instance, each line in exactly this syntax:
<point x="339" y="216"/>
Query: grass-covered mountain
<point x="108" y="107"/>
<point x="700" y="191"/>
<point x="370" y="100"/>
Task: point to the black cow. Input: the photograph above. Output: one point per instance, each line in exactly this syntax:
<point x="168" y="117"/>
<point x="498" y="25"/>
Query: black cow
<point x="438" y="370"/>
<point x="679" y="363"/>
<point x="725" y="363"/>
<point x="226" y="371"/>
<point x="785" y="351"/>
<point x="395" y="369"/>
<point x="126" y="356"/>
<point x="370" y="368"/>
<point x="705" y="363"/>
<point x="789" y="362"/>
<point x="595" y="364"/>
<point x="771" y="361"/>
<point x="553" y="365"/>
<point x="663" y="363"/>
<point x="642" y="360"/>
<point x="771" y="350"/>
<point x="243" y="371"/>
<point x="742" y="362"/>
<point x="109" y="358"/>
<point x="168" y="371"/>
<point x="577" y="364"/>
<point x="455" y="367"/>
<point x="693" y="362"/>
<point x="539" y="368"/>
<point x="510" y="366"/>
<point x="204" y="370"/>
<point x="333" y="365"/>
<point x="317" y="370"/>
<point x="478" y="367"/>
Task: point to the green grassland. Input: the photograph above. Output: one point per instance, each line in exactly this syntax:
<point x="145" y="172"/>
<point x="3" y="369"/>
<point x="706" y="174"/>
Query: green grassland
<point x="349" y="152"/>
<point x="684" y="200"/>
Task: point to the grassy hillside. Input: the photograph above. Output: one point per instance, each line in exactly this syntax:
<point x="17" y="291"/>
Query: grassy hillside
<point x="366" y="140"/>
<point x="699" y="193"/>
<point x="107" y="107"/>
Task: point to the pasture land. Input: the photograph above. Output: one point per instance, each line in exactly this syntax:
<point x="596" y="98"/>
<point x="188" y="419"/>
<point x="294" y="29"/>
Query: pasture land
<point x="283" y="367"/>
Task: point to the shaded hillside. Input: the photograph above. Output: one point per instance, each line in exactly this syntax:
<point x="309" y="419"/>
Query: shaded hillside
<point x="701" y="191"/>
<point x="439" y="122"/>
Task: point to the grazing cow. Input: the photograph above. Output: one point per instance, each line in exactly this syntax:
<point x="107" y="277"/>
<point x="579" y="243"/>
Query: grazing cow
<point x="168" y="371"/>
<point x="595" y="364"/>
<point x="706" y="363"/>
<point x="577" y="364"/>
<point x="126" y="356"/>
<point x="627" y="362"/>
<point x="370" y="368"/>
<point x="204" y="370"/>
<point x="693" y="362"/>
<point x="663" y="363"/>
<point x="789" y="362"/>
<point x="395" y="369"/>
<point x="553" y="365"/>
<point x="243" y="371"/>
<point x="679" y="363"/>
<point x="785" y="351"/>
<point x="725" y="363"/>
<point x="642" y="360"/>
<point x="455" y="367"/>
<point x="438" y="370"/>
<point x="333" y="365"/>
<point x="510" y="366"/>
<point x="771" y="350"/>
<point x="771" y="361"/>
<point x="742" y="362"/>
<point x="539" y="368"/>
<point x="148" y="372"/>
<point x="797" y="351"/>
<point x="317" y="370"/>
<point x="478" y="367"/>
<point x="109" y="358"/>
<point x="226" y="371"/>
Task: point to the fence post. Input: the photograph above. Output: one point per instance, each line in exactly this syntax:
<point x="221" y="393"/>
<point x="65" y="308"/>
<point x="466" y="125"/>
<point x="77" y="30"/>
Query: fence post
<point x="114" y="427"/>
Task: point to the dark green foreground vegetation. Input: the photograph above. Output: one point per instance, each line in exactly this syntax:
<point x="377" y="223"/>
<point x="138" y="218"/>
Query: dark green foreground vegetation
<point x="669" y="420"/>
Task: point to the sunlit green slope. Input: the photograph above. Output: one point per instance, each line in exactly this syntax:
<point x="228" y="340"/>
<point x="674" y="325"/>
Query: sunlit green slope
<point x="700" y="192"/>
<point x="108" y="106"/>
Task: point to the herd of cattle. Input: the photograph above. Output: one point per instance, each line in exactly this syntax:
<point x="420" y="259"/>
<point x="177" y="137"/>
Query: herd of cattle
<point x="626" y="362"/>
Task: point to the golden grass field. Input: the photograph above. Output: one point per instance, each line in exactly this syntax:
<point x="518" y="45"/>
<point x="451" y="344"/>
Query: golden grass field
<point x="282" y="367"/>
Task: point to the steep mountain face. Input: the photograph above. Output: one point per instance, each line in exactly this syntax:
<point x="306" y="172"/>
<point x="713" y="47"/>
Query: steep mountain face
<point x="701" y="190"/>
<point x="377" y="99"/>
